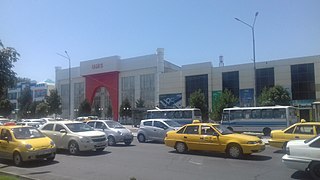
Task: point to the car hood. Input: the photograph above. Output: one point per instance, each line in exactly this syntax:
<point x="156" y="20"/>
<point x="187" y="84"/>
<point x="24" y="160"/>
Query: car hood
<point x="90" y="133"/>
<point x="242" y="137"/>
<point x="296" y="142"/>
<point x="38" y="143"/>
<point x="122" y="130"/>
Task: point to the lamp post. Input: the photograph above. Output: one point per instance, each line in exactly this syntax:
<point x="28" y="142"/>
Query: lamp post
<point x="254" y="55"/>
<point x="68" y="57"/>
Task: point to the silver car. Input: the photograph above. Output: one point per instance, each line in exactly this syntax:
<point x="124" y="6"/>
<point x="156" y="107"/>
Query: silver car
<point x="114" y="131"/>
<point x="155" y="129"/>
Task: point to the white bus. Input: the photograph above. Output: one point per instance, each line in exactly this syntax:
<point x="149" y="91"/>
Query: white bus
<point x="182" y="116"/>
<point x="259" y="119"/>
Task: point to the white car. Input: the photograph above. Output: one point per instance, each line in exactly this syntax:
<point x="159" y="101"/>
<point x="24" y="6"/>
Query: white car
<point x="74" y="136"/>
<point x="304" y="155"/>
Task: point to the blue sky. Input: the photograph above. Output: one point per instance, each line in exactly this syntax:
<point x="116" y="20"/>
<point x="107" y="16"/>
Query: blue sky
<point x="190" y="31"/>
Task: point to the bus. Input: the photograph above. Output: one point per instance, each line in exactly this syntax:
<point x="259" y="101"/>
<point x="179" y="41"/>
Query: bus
<point x="181" y="116"/>
<point x="259" y="119"/>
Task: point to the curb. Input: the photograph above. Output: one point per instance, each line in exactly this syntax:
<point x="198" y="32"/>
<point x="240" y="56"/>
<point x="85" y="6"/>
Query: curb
<point x="21" y="177"/>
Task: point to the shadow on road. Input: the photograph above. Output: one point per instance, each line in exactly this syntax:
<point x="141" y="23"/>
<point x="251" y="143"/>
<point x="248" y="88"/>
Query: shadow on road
<point x="84" y="153"/>
<point x="29" y="164"/>
<point x="122" y="145"/>
<point x="280" y="151"/>
<point x="301" y="175"/>
<point x="223" y="155"/>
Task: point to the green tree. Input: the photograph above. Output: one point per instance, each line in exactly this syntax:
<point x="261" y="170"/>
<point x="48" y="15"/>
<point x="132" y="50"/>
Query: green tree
<point x="140" y="103"/>
<point x="125" y="108"/>
<point x="54" y="102"/>
<point x="5" y="107"/>
<point x="42" y="109"/>
<point x="109" y="111"/>
<point x="24" y="102"/>
<point x="276" y="95"/>
<point x="227" y="99"/>
<point x="8" y="56"/>
<point x="84" y="108"/>
<point x="198" y="100"/>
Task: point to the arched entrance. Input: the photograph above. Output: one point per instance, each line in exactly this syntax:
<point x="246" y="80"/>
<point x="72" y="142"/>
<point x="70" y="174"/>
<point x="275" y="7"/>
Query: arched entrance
<point x="101" y="105"/>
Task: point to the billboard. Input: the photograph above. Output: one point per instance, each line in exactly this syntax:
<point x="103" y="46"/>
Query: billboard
<point x="167" y="101"/>
<point x="246" y="97"/>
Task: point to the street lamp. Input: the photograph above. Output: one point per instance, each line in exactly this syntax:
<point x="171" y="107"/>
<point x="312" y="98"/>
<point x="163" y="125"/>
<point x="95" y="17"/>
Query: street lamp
<point x="68" y="57"/>
<point x="254" y="55"/>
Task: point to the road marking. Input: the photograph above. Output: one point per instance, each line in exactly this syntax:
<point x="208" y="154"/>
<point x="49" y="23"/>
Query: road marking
<point x="197" y="163"/>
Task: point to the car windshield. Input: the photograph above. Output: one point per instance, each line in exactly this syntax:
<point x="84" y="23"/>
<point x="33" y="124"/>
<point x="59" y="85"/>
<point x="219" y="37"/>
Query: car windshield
<point x="222" y="129"/>
<point x="79" y="127"/>
<point x="172" y="123"/>
<point x="27" y="133"/>
<point x="308" y="140"/>
<point x="113" y="124"/>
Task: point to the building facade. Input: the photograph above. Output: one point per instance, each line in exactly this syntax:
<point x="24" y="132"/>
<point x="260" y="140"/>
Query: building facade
<point x="106" y="82"/>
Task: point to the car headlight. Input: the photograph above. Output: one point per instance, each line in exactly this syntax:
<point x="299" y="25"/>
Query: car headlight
<point x="252" y="142"/>
<point x="28" y="146"/>
<point x="85" y="139"/>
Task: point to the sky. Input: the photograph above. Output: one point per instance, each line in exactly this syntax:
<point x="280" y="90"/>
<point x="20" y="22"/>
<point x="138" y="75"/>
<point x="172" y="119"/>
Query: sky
<point x="190" y="31"/>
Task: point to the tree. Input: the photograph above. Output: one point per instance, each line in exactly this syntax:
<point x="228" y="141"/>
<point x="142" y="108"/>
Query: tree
<point x="8" y="56"/>
<point x="109" y="111"/>
<point x="276" y="95"/>
<point x="140" y="103"/>
<point x="198" y="100"/>
<point x="42" y="109"/>
<point x="5" y="107"/>
<point x="54" y="102"/>
<point x="25" y="101"/>
<point x="125" y="108"/>
<point x="227" y="99"/>
<point x="84" y="108"/>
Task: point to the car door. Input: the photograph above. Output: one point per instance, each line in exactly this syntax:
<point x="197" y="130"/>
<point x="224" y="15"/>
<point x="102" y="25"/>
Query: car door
<point x="192" y="137"/>
<point x="61" y="139"/>
<point x="159" y="130"/>
<point x="48" y="131"/>
<point x="300" y="131"/>
<point x="147" y="129"/>
<point x="208" y="139"/>
<point x="100" y="126"/>
<point x="6" y="144"/>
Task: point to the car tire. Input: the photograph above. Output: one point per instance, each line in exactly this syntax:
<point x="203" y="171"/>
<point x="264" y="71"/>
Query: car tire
<point x="314" y="170"/>
<point x="17" y="159"/>
<point x="50" y="159"/>
<point x="99" y="149"/>
<point x="111" y="141"/>
<point x="127" y="143"/>
<point x="181" y="147"/>
<point x="141" y="138"/>
<point x="73" y="148"/>
<point x="234" y="151"/>
<point x="266" y="131"/>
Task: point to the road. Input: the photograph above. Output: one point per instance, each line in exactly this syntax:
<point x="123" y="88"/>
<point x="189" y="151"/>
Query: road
<point x="155" y="161"/>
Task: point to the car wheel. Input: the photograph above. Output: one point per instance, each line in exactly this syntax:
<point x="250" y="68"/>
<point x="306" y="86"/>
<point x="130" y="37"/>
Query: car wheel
<point x="17" y="159"/>
<point x="127" y="143"/>
<point x="73" y="148"/>
<point x="111" y="141"/>
<point x="315" y="170"/>
<point x="51" y="158"/>
<point x="141" y="138"/>
<point x="266" y="131"/>
<point x="99" y="149"/>
<point x="234" y="151"/>
<point x="181" y="147"/>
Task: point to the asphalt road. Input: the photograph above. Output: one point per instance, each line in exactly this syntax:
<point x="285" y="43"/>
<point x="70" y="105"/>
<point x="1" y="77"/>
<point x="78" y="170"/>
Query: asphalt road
<point x="155" y="161"/>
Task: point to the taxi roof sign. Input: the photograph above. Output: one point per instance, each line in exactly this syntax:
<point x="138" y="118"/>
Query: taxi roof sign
<point x="195" y="121"/>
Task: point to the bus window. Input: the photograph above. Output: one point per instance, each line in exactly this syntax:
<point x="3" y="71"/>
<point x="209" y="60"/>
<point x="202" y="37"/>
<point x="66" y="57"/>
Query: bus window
<point x="279" y="113"/>
<point x="157" y="115"/>
<point x="247" y="114"/>
<point x="225" y="117"/>
<point x="256" y="114"/>
<point x="266" y="114"/>
<point x="197" y="113"/>
<point x="186" y="114"/>
<point x="235" y="115"/>
<point x="177" y="114"/>
<point x="169" y="114"/>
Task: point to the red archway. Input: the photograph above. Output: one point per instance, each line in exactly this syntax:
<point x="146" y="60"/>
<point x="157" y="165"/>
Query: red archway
<point x="108" y="80"/>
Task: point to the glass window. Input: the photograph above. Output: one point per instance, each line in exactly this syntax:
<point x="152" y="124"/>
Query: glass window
<point x="59" y="127"/>
<point x="318" y="129"/>
<point x="5" y="135"/>
<point x="100" y="125"/>
<point x="279" y="113"/>
<point x="207" y="130"/>
<point x="316" y="143"/>
<point x="128" y="89"/>
<point x="178" y="115"/>
<point x="225" y="117"/>
<point x="303" y="81"/>
<point x="236" y="114"/>
<point x="266" y="114"/>
<point x="230" y="81"/>
<point x="181" y="130"/>
<point x="304" y="129"/>
<point x="27" y="133"/>
<point x="147" y="89"/>
<point x="79" y="127"/>
<point x="289" y="131"/>
<point x="91" y="124"/>
<point x="256" y="114"/>
<point x="265" y="79"/>
<point x="197" y="113"/>
<point x="194" y="83"/>
<point x="192" y="130"/>
<point x="247" y="114"/>
<point x="114" y="124"/>
<point x="159" y="124"/>
<point x="48" y="127"/>
<point x="147" y="123"/>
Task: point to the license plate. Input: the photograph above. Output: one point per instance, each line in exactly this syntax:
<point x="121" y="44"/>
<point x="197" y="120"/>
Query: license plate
<point x="47" y="151"/>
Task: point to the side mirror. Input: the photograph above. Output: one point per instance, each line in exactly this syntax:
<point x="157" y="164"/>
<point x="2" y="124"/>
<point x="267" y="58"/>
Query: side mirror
<point x="63" y="131"/>
<point x="6" y="138"/>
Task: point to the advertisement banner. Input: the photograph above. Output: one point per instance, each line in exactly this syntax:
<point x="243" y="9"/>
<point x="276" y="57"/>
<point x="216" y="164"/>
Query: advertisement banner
<point x="167" y="101"/>
<point x="246" y="97"/>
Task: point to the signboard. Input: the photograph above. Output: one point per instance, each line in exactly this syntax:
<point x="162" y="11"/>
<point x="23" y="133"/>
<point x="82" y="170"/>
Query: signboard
<point x="167" y="101"/>
<point x="246" y="97"/>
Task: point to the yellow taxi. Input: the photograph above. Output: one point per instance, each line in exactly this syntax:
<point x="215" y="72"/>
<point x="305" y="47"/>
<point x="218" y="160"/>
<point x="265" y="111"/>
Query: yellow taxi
<point x="25" y="143"/>
<point x="302" y="130"/>
<point x="213" y="137"/>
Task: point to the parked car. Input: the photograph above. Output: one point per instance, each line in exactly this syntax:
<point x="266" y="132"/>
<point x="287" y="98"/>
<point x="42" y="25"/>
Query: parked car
<point x="33" y="124"/>
<point x="24" y="143"/>
<point x="304" y="155"/>
<point x="213" y="137"/>
<point x="74" y="136"/>
<point x="114" y="131"/>
<point x="155" y="129"/>
<point x="303" y="130"/>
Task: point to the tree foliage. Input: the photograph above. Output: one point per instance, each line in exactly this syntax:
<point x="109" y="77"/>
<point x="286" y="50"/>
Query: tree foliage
<point x="276" y="95"/>
<point x="8" y="56"/>
<point x="54" y="102"/>
<point x="24" y="102"/>
<point x="84" y="108"/>
<point x="125" y="108"/>
<point x="5" y="107"/>
<point x="42" y="109"/>
<point x="227" y="99"/>
<point x="140" y="103"/>
<point x="198" y="100"/>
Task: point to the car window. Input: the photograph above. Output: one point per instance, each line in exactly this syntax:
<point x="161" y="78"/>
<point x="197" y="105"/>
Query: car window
<point x="59" y="127"/>
<point x="181" y="130"/>
<point x="290" y="131"/>
<point x="91" y="124"/>
<point x="159" y="124"/>
<point x="48" y="127"/>
<point x="147" y="123"/>
<point x="316" y="143"/>
<point x="304" y="129"/>
<point x="100" y="125"/>
<point x="27" y="133"/>
<point x="5" y="134"/>
<point x="207" y="130"/>
<point x="79" y="127"/>
<point x="192" y="130"/>
<point x="318" y="129"/>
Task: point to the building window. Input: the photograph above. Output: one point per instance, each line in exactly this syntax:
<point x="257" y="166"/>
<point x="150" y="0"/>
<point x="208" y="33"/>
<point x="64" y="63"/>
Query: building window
<point x="78" y="94"/>
<point x="65" y="98"/>
<point x="265" y="79"/>
<point x="230" y="81"/>
<point x="128" y="89"/>
<point x="194" y="83"/>
<point x="147" y="89"/>
<point x="303" y="81"/>
<point x="12" y="96"/>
